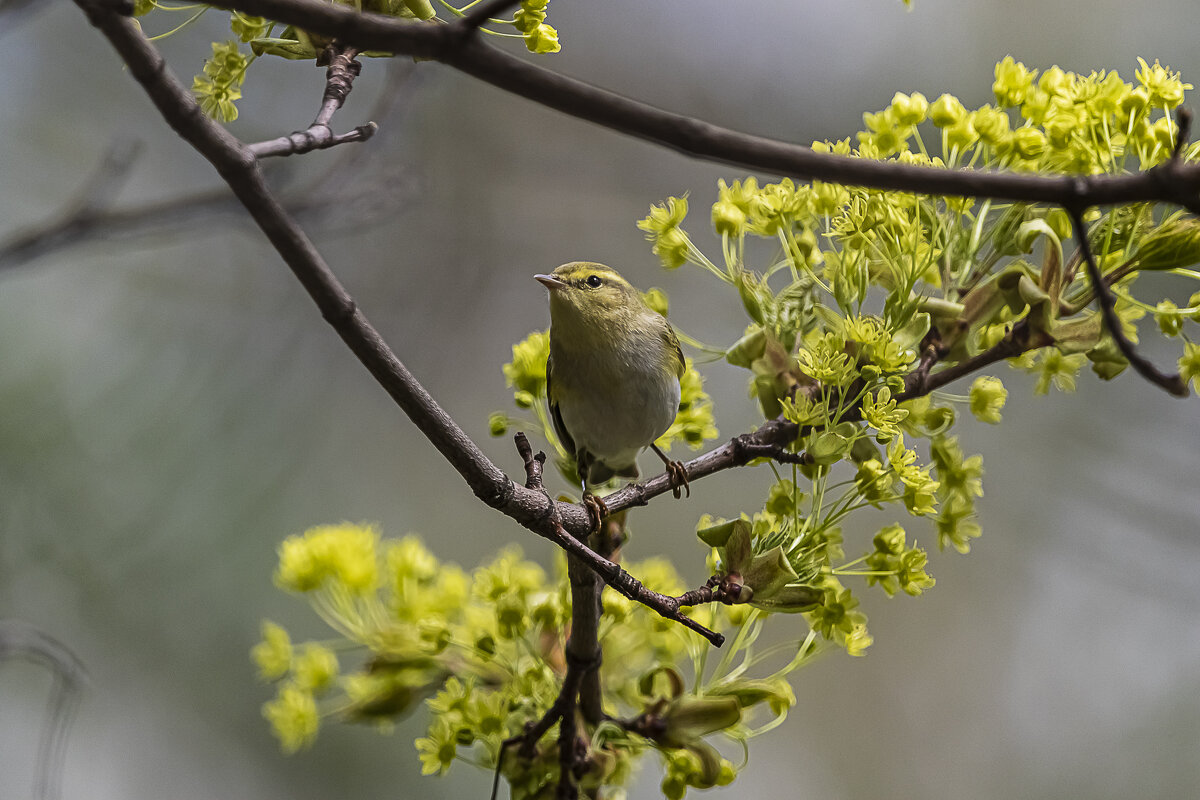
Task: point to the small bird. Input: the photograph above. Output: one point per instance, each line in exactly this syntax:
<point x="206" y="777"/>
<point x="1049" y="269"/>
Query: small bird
<point x="612" y="377"/>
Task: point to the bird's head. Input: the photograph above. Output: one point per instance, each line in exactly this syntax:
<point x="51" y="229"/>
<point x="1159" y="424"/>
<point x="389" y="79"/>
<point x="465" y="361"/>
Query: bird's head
<point x="591" y="295"/>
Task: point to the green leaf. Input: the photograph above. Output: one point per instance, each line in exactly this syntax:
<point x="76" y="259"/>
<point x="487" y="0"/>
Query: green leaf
<point x="717" y="535"/>
<point x="661" y="681"/>
<point x="768" y="573"/>
<point x="1173" y="244"/>
<point x="752" y="293"/>
<point x="827" y="448"/>
<point x="421" y="9"/>
<point x="913" y="332"/>
<point x="690" y="717"/>
<point x="738" y="548"/>
<point x="287" y="48"/>
<point x="1078" y="335"/>
<point x="1029" y="231"/>
<point x="790" y="600"/>
<point x="776" y="693"/>
<point x="1107" y="360"/>
<point x="747" y="349"/>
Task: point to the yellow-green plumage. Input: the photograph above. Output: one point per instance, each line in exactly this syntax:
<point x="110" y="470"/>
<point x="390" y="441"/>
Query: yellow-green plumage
<point x="614" y="369"/>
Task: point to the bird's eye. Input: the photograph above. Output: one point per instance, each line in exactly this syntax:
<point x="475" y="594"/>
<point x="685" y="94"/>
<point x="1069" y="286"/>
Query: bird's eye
<point x="593" y="281"/>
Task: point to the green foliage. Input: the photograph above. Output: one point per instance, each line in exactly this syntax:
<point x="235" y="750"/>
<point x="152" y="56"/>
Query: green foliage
<point x="485" y="653"/>
<point x="218" y="86"/>
<point x="864" y="290"/>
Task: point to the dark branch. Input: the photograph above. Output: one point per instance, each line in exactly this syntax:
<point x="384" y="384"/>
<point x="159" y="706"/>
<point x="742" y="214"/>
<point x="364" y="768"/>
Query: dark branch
<point x="562" y="711"/>
<point x="1019" y="339"/>
<point x="1169" y="382"/>
<point x="613" y="575"/>
<point x="1183" y="118"/>
<point x="1179" y="183"/>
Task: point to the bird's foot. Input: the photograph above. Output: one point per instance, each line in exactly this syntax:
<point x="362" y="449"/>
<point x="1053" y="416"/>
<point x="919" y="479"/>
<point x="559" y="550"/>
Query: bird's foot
<point x="597" y="511"/>
<point x="678" y="475"/>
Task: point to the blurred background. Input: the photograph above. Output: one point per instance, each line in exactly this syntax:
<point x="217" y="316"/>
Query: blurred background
<point x="172" y="406"/>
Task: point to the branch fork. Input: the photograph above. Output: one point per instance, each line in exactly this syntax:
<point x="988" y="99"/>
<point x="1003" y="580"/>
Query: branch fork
<point x="343" y="68"/>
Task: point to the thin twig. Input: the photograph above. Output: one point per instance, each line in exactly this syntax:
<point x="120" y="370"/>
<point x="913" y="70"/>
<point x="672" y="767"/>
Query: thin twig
<point x="339" y="80"/>
<point x="1172" y="383"/>
<point x="481" y="13"/>
<point x="612" y="574"/>
<point x="562" y="710"/>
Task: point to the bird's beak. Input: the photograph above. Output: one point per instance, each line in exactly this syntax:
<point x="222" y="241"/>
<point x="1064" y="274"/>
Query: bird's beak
<point x="550" y="282"/>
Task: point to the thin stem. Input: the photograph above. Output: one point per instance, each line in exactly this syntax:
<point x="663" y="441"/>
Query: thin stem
<point x="1172" y="383"/>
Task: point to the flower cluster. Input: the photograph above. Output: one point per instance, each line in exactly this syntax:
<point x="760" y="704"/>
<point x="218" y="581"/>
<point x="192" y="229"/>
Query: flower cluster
<point x="218" y="87"/>
<point x="485" y="652"/>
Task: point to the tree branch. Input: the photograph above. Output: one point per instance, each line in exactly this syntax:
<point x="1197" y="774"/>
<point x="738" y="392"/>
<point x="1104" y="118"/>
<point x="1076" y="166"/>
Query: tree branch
<point x="1170" y="182"/>
<point x="1172" y="383"/>
<point x="610" y="572"/>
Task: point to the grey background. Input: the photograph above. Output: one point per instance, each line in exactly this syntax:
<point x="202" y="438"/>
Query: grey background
<point x="171" y="408"/>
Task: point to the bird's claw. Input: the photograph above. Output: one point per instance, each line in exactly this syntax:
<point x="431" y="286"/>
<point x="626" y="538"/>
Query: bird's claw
<point x="677" y="473"/>
<point x="597" y="510"/>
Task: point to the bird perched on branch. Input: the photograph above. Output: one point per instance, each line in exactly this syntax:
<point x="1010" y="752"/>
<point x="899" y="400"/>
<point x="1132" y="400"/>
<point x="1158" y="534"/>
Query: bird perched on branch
<point x="613" y="375"/>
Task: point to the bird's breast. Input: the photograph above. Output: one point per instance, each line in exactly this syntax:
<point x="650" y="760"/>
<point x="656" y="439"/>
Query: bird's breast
<point x="614" y="401"/>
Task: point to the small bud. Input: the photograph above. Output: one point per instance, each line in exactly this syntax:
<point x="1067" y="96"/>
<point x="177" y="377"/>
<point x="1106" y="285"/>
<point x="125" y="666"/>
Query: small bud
<point x="728" y="219"/>
<point x="1135" y="102"/>
<point x="1013" y="82"/>
<point x="498" y="424"/>
<point x="657" y="300"/>
<point x="910" y="109"/>
<point x="1028" y="143"/>
<point x="890" y="540"/>
<point x="946" y="111"/>
<point x="1169" y="320"/>
<point x="987" y="398"/>
<point x="991" y="124"/>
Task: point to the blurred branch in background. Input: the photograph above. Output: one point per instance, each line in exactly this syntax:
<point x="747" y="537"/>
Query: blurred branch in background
<point x="352" y="193"/>
<point x="20" y="640"/>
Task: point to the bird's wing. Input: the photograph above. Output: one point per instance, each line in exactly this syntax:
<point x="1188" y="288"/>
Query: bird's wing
<point x="673" y="342"/>
<point x="555" y="414"/>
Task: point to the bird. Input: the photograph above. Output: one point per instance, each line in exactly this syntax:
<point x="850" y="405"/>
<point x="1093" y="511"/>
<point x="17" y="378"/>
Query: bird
<point x="612" y="378"/>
